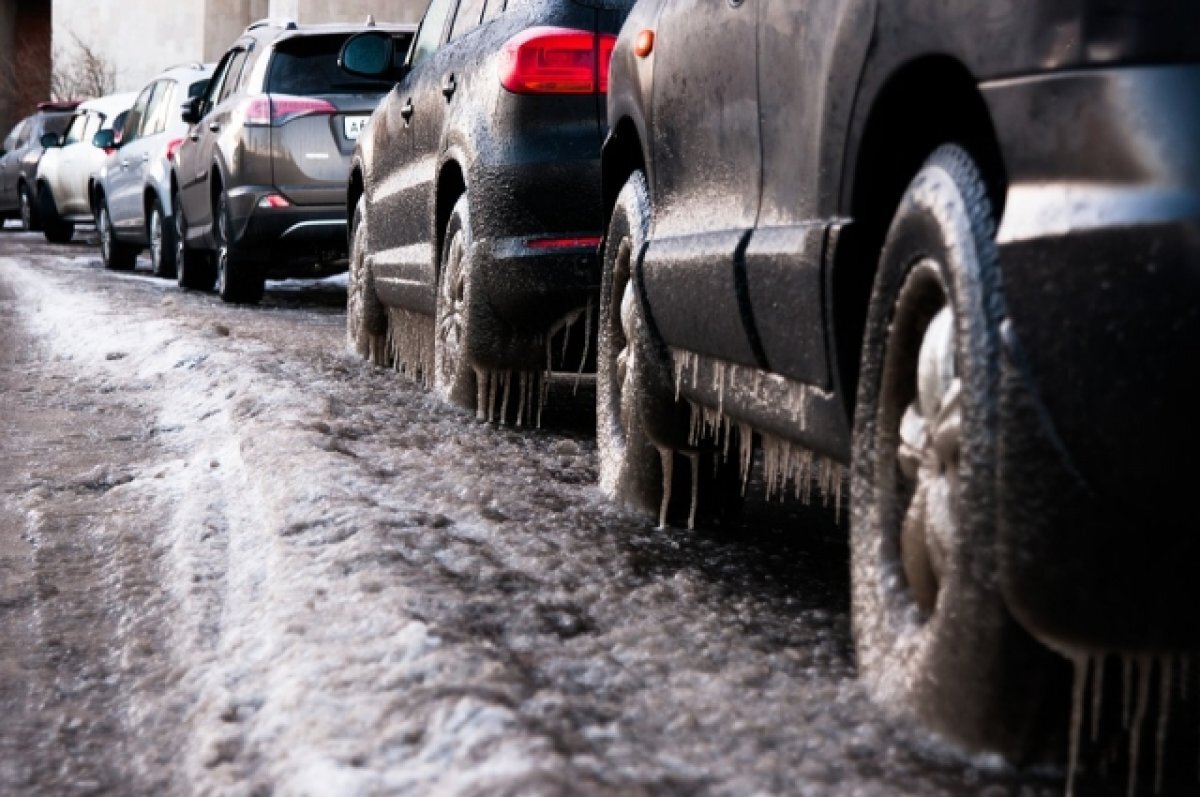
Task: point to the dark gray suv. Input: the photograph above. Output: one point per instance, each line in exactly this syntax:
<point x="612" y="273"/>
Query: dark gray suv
<point x="261" y="177"/>
<point x="19" y="156"/>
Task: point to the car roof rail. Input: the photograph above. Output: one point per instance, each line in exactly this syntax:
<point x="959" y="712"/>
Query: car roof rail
<point x="58" y="105"/>
<point x="271" y="22"/>
<point x="185" y="65"/>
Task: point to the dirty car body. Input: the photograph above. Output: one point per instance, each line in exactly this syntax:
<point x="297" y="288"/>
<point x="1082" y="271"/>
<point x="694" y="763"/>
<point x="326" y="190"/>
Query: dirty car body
<point x="466" y="120"/>
<point x="774" y="170"/>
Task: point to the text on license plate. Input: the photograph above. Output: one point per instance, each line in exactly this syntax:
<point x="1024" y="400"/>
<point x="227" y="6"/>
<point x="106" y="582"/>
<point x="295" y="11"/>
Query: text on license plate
<point x="354" y="126"/>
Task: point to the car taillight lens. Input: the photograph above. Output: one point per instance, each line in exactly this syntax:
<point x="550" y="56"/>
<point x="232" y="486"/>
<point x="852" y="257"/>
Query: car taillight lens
<point x="276" y="109"/>
<point x="575" y="242"/>
<point x="556" y="61"/>
<point x="173" y="149"/>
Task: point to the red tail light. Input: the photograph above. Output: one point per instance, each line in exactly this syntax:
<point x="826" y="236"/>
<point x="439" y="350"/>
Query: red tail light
<point x="556" y="61"/>
<point x="173" y="148"/>
<point x="577" y="242"/>
<point x="276" y="109"/>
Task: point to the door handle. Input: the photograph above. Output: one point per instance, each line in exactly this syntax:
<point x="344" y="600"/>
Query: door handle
<point x="449" y="86"/>
<point x="214" y="126"/>
<point x="145" y="157"/>
<point x="194" y="136"/>
<point x="407" y="110"/>
<point x="124" y="163"/>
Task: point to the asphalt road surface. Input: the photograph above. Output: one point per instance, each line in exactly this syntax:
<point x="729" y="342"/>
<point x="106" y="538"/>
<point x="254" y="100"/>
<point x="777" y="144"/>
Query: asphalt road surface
<point x="235" y="559"/>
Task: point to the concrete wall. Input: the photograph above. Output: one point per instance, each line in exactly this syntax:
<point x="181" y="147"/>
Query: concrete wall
<point x="142" y="37"/>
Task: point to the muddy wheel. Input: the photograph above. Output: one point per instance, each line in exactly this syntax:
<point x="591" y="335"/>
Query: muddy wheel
<point x="366" y="317"/>
<point x="54" y="227"/>
<point x="933" y="636"/>
<point x="161" y="236"/>
<point x="117" y="256"/>
<point x="239" y="279"/>
<point x="28" y="210"/>
<point x="193" y="270"/>
<point x="453" y="375"/>
<point x="630" y="463"/>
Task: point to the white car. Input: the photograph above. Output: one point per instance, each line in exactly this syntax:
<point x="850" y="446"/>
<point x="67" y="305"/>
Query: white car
<point x="69" y="163"/>
<point x="131" y="197"/>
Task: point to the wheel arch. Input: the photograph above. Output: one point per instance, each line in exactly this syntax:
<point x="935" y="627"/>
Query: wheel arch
<point x="923" y="104"/>
<point x="623" y="155"/>
<point x="451" y="184"/>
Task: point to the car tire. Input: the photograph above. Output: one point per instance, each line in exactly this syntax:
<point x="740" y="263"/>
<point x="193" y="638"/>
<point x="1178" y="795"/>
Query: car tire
<point x="117" y="255"/>
<point x="366" y="317"/>
<point x="239" y="279"/>
<point x="453" y="374"/>
<point x="933" y="636"/>
<point x="28" y="211"/>
<point x="193" y="269"/>
<point x="160" y="233"/>
<point x="54" y="227"/>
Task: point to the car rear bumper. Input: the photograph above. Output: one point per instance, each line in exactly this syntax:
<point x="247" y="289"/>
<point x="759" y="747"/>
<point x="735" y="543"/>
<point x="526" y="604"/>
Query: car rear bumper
<point x="528" y="294"/>
<point x="316" y="230"/>
<point x="1100" y="262"/>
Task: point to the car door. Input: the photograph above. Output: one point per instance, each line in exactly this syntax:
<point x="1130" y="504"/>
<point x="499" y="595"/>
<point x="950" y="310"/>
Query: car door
<point x="135" y="157"/>
<point x="202" y="154"/>
<point x="406" y="166"/>
<point x="124" y="192"/>
<point x="706" y="174"/>
<point x="67" y="193"/>
<point x="810" y="60"/>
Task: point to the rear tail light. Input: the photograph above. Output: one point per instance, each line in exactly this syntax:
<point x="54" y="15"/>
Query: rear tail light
<point x="547" y="60"/>
<point x="576" y="242"/>
<point x="173" y="149"/>
<point x="274" y="201"/>
<point x="276" y="109"/>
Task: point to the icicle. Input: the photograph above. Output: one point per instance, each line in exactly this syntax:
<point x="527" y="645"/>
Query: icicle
<point x="587" y="345"/>
<point x="1145" y="665"/>
<point x="694" y="456"/>
<point x="505" y="384"/>
<point x="481" y="381"/>
<point x="1164" y="714"/>
<point x="523" y="379"/>
<point x="667" y="456"/>
<point x="1127" y="696"/>
<point x="1097" y="695"/>
<point x="1080" y="662"/>
<point x="493" y="380"/>
<point x="746" y="453"/>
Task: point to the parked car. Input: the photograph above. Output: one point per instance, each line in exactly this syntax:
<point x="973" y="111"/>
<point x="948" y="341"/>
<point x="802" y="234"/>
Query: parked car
<point x="475" y="194"/>
<point x="131" y="197"/>
<point x="262" y="173"/>
<point x="949" y="254"/>
<point x="19" y="156"/>
<point x="69" y="164"/>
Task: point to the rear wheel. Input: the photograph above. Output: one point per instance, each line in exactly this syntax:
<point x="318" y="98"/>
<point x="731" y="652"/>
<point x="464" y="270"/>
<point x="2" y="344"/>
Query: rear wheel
<point x="239" y="279"/>
<point x="453" y="375"/>
<point x="117" y="256"/>
<point x="193" y="270"/>
<point x="161" y="236"/>
<point x="54" y="227"/>
<point x="366" y="317"/>
<point x="934" y="638"/>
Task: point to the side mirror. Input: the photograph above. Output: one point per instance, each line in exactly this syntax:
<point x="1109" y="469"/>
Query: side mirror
<point x="192" y="110"/>
<point x="199" y="88"/>
<point x="105" y="139"/>
<point x="369" y="54"/>
<point x="49" y="140"/>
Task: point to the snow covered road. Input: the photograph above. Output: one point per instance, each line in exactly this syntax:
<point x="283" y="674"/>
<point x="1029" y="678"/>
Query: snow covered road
<point x="234" y="559"/>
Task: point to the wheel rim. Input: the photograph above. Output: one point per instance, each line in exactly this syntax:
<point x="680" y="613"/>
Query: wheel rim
<point x="222" y="245"/>
<point x="156" y="240"/>
<point x="623" y="334"/>
<point x="453" y="299"/>
<point x="920" y="428"/>
<point x="177" y="220"/>
<point x="26" y="211"/>
<point x="105" y="240"/>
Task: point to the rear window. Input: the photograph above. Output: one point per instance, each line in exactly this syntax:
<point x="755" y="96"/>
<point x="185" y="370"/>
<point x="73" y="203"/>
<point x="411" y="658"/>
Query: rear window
<point x="56" y="123"/>
<point x="308" y="65"/>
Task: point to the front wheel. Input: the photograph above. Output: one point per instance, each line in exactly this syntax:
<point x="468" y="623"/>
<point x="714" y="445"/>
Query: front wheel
<point x="193" y="270"/>
<point x="54" y="227"/>
<point x="161" y="236"/>
<point x="117" y="256"/>
<point x="453" y="375"/>
<point x="933" y="635"/>
<point x="28" y="210"/>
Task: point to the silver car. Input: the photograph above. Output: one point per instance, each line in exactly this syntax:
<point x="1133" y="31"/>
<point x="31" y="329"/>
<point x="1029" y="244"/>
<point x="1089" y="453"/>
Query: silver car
<point x="131" y="195"/>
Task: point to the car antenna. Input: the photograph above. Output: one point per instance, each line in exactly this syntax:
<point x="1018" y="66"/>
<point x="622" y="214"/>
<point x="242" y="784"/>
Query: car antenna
<point x="370" y="20"/>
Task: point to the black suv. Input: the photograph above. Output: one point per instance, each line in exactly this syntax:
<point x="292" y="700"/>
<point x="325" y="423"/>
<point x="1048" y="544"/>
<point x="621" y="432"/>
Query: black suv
<point x="950" y="258"/>
<point x="475" y="194"/>
<point x="261" y="176"/>
<point x="19" y="156"/>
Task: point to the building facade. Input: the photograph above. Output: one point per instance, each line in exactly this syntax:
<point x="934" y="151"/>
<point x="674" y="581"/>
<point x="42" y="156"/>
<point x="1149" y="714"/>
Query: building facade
<point x="140" y="38"/>
<point x="24" y="59"/>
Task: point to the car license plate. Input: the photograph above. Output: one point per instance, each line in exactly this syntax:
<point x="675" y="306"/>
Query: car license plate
<point x="354" y="126"/>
